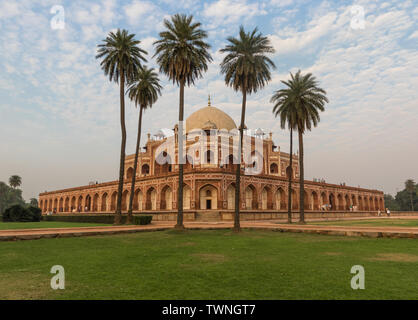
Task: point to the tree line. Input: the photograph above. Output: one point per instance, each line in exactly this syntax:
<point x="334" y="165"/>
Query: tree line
<point x="11" y="194"/>
<point x="182" y="54"/>
<point x="404" y="200"/>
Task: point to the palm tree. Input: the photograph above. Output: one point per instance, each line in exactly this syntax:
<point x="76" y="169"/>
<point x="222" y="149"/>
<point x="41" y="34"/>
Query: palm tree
<point x="33" y="202"/>
<point x="15" y="181"/>
<point x="247" y="69"/>
<point x="305" y="98"/>
<point x="144" y="91"/>
<point x="410" y="187"/>
<point x="121" y="62"/>
<point x="183" y="56"/>
<point x="284" y="109"/>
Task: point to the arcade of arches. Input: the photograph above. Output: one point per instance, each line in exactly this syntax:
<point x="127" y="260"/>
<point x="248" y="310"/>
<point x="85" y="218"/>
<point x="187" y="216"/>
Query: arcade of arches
<point x="211" y="194"/>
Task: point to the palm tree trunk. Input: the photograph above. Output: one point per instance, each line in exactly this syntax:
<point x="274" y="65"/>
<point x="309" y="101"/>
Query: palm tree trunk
<point x="289" y="196"/>
<point x="237" y="226"/>
<point x="301" y="183"/>
<point x="138" y="142"/>
<point x="122" y="149"/>
<point x="180" y="224"/>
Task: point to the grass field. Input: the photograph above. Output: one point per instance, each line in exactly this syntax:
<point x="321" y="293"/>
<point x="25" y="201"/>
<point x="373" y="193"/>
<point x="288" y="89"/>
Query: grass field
<point x="372" y="222"/>
<point x="45" y="224"/>
<point x="210" y="264"/>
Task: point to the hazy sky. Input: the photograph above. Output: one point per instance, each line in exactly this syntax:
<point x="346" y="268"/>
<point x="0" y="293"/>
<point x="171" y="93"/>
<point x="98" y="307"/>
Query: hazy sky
<point x="59" y="115"/>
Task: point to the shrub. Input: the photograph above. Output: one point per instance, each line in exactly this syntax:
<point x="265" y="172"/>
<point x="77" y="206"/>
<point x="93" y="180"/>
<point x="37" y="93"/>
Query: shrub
<point x="36" y="212"/>
<point x="141" y="219"/>
<point x="18" y="213"/>
<point x="97" y="218"/>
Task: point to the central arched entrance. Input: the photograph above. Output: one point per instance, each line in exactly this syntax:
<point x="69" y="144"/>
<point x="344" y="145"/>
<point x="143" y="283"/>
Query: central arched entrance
<point x="208" y="197"/>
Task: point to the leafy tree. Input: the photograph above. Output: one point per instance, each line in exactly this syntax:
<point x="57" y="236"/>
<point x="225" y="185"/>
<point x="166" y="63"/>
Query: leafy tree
<point x="19" y="213"/>
<point x="183" y="56"/>
<point x="391" y="203"/>
<point x="305" y="98"/>
<point x="15" y="181"/>
<point x="121" y="62"/>
<point x="144" y="91"/>
<point x="284" y="108"/>
<point x="9" y="197"/>
<point x="410" y="188"/>
<point x="247" y="69"/>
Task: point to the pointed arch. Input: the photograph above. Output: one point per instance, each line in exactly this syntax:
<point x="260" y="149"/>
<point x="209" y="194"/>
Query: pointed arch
<point x="96" y="203"/>
<point x="151" y="199"/>
<point x="73" y="204"/>
<point x="113" y="200"/>
<point x="67" y="204"/>
<point x="340" y="202"/>
<point x="166" y="198"/>
<point x="266" y="198"/>
<point x="315" y="201"/>
<point x="187" y="196"/>
<point x="331" y="201"/>
<point x="230" y="196"/>
<point x="250" y="197"/>
<point x="129" y="173"/>
<point x="208" y="195"/>
<point x="125" y="200"/>
<point x="347" y="203"/>
<point x="87" y="206"/>
<point x="138" y="199"/>
<point x="61" y="205"/>
<point x="103" y="206"/>
<point x="280" y="198"/>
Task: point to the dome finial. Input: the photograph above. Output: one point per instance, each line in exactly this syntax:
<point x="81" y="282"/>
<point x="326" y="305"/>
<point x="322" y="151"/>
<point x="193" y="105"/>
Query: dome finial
<point x="209" y="100"/>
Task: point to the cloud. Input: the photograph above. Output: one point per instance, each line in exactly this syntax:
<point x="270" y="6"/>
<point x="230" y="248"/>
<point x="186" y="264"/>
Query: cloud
<point x="137" y="10"/>
<point x="414" y="35"/>
<point x="9" y="9"/>
<point x="231" y="11"/>
<point x="298" y="40"/>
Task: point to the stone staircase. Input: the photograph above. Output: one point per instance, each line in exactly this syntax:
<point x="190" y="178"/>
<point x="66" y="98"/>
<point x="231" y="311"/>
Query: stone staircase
<point x="208" y="216"/>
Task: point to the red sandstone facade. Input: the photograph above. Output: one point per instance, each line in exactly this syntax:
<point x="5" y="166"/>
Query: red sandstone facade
<point x="209" y="179"/>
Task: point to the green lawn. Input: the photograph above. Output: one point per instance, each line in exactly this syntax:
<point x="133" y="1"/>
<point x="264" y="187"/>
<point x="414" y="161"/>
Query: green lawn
<point x="45" y="224"/>
<point x="210" y="264"/>
<point x="372" y="222"/>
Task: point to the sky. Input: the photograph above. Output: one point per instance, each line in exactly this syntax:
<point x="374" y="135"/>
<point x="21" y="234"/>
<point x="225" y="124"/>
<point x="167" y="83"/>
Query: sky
<point x="59" y="114"/>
